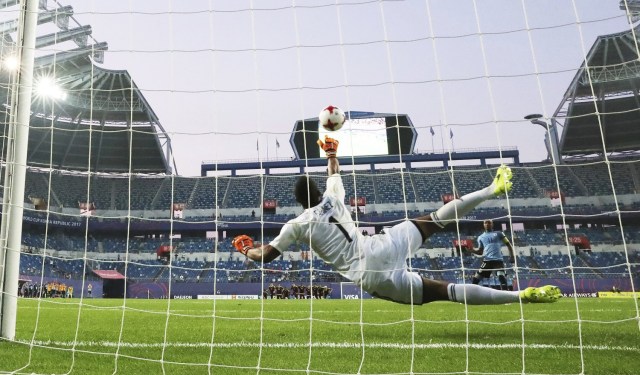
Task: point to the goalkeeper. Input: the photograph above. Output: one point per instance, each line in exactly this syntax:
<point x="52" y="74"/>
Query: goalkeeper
<point x="378" y="263"/>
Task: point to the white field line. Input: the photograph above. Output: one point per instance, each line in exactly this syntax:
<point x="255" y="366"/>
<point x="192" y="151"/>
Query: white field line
<point x="330" y="345"/>
<point x="207" y="313"/>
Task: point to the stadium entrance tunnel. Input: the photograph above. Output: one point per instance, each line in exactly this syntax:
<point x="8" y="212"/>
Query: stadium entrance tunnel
<point x="113" y="288"/>
<point x="113" y="283"/>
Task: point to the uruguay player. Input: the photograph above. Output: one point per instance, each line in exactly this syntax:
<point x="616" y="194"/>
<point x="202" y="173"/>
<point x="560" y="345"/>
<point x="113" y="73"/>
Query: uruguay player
<point x="490" y="245"/>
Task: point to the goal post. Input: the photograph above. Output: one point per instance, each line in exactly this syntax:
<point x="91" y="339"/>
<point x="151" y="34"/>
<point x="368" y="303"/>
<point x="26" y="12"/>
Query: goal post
<point x="15" y="173"/>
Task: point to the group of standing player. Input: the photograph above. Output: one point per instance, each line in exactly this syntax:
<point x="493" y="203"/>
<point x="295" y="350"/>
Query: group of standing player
<point x="49" y="290"/>
<point x="315" y="291"/>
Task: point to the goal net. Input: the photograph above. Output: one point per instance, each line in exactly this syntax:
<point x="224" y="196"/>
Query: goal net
<point x="139" y="138"/>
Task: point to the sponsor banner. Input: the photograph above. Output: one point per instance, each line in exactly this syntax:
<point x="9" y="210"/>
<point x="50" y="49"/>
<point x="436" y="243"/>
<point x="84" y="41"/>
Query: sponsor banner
<point x="351" y="296"/>
<point x="227" y="296"/>
<point x="360" y="201"/>
<point x="144" y="289"/>
<point x="182" y="296"/>
<point x="557" y="198"/>
<point x="164" y="250"/>
<point x="178" y="209"/>
<point x="463" y="243"/>
<point x="619" y="294"/>
<point x="269" y="204"/>
<point x="39" y="203"/>
<point x="554" y="194"/>
<point x="447" y="197"/>
<point x="86" y="208"/>
<point x="244" y="296"/>
<point x="53" y="221"/>
<point x="580" y="295"/>
<point x="211" y="296"/>
<point x="581" y="241"/>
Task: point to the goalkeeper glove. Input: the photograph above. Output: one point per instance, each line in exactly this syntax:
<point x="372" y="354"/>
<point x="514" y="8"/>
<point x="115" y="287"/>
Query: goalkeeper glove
<point x="242" y="243"/>
<point x="330" y="146"/>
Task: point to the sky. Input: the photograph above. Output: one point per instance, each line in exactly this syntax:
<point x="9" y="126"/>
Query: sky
<point x="223" y="75"/>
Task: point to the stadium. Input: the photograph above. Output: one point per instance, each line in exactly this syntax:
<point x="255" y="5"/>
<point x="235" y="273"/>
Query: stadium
<point x="113" y="262"/>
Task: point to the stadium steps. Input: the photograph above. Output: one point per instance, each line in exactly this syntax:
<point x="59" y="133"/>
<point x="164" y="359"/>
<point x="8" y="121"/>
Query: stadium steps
<point x="413" y="186"/>
<point x="192" y="195"/>
<point x="581" y="186"/>
<point x="225" y="196"/>
<point x="158" y="193"/>
<point x="433" y="266"/>
<point x="633" y="172"/>
<point x="245" y="275"/>
<point x="113" y="195"/>
<point x="534" y="263"/>
<point x="536" y="185"/>
<point x="158" y="274"/>
<point x="205" y="268"/>
<point x="375" y="189"/>
<point x="588" y="262"/>
<point x="54" y="196"/>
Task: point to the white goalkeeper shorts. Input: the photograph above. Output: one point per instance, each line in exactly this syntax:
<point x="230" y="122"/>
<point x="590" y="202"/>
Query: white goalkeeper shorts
<point x="386" y="275"/>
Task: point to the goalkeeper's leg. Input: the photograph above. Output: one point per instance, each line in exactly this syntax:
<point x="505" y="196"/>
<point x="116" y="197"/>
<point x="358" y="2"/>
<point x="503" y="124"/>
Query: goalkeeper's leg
<point x="459" y="207"/>
<point x="470" y="294"/>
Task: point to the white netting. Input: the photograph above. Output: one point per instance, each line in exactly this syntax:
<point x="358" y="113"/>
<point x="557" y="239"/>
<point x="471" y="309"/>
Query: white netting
<point x="170" y="131"/>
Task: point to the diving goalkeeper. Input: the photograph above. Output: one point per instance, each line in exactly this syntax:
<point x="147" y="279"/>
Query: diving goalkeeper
<point x="378" y="263"/>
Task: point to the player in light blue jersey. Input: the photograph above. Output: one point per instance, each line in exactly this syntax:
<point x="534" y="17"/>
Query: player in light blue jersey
<point x="490" y="246"/>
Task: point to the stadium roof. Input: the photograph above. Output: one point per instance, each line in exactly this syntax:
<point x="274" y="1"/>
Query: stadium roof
<point x="602" y="100"/>
<point x="104" y="124"/>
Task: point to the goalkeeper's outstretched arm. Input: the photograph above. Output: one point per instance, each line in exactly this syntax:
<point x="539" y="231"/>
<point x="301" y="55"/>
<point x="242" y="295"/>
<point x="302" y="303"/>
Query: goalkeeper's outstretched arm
<point x="265" y="253"/>
<point x="330" y="147"/>
<point x="333" y="166"/>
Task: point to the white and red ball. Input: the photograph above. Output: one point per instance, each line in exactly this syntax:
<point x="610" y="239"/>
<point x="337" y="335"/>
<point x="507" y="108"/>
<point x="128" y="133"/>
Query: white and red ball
<point x="331" y="118"/>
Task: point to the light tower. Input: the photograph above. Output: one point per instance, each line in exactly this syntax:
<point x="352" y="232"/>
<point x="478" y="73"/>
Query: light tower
<point x="550" y="136"/>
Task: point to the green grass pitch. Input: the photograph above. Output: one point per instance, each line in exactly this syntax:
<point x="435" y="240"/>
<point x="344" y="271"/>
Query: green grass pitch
<point x="584" y="336"/>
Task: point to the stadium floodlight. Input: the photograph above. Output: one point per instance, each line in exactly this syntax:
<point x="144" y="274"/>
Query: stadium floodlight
<point x="550" y="137"/>
<point x="46" y="87"/>
<point x="10" y="63"/>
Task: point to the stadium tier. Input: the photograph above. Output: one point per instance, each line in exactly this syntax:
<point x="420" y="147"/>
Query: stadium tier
<point x="225" y="205"/>
<point x="390" y="186"/>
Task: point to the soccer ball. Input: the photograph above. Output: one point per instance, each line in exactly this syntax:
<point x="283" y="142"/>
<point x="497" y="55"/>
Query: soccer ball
<point x="331" y="118"/>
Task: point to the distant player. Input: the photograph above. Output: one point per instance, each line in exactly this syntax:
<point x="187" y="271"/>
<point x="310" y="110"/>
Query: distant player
<point x="272" y="291"/>
<point x="490" y="246"/>
<point x="378" y="263"/>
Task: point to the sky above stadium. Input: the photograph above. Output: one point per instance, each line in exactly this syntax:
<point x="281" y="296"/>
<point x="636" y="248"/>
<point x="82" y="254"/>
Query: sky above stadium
<point x="226" y="76"/>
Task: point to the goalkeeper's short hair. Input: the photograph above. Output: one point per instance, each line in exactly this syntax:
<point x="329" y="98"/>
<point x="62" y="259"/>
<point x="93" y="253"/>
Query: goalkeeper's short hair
<point x="307" y="193"/>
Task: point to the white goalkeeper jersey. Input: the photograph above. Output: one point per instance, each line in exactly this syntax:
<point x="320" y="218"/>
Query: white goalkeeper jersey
<point x="329" y="231"/>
